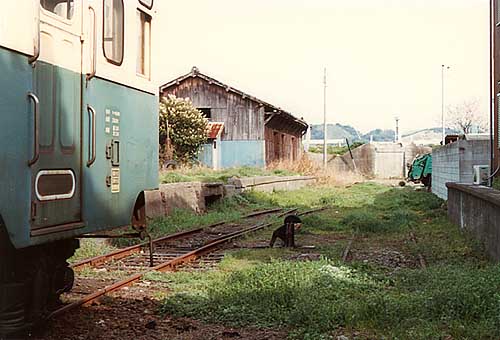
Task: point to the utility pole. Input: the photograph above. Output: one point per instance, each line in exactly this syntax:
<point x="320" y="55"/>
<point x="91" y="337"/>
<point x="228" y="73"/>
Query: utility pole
<point x="396" y="137"/>
<point x="325" y="151"/>
<point x="443" y="67"/>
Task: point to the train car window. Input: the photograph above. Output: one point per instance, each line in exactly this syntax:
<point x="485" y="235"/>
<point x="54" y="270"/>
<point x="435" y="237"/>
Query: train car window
<point x="63" y="8"/>
<point x="147" y="3"/>
<point x="113" y="39"/>
<point x="498" y="13"/>
<point x="143" y="43"/>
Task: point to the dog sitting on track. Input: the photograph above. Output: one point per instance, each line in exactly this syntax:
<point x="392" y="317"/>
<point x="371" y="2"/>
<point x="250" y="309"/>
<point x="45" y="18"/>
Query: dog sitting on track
<point x="287" y="231"/>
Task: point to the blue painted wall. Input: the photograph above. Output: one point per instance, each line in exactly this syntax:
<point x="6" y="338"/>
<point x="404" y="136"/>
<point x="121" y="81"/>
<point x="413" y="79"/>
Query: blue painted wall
<point x="205" y="155"/>
<point x="242" y="153"/>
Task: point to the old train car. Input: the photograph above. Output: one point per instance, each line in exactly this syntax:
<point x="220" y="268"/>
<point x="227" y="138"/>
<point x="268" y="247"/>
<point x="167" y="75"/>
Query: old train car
<point x="78" y="148"/>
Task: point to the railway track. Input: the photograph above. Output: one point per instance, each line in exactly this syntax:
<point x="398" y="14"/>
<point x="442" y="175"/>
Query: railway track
<point x="348" y="250"/>
<point x="126" y="252"/>
<point x="170" y="252"/>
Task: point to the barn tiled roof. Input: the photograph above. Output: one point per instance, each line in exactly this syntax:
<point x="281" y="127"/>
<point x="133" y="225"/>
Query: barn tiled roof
<point x="195" y="73"/>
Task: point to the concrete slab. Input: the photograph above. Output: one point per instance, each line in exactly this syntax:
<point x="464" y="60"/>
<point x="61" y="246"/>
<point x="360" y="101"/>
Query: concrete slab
<point x="195" y="196"/>
<point x="192" y="196"/>
<point x="272" y="183"/>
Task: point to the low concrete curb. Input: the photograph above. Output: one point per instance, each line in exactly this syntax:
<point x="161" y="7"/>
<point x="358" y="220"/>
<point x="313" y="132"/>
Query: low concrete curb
<point x="195" y="196"/>
<point x="271" y="183"/>
<point x="192" y="196"/>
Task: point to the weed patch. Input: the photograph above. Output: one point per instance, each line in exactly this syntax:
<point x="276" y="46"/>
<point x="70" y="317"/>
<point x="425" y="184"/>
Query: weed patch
<point x="455" y="297"/>
<point x="200" y="174"/>
<point x="91" y="248"/>
<point x="316" y="298"/>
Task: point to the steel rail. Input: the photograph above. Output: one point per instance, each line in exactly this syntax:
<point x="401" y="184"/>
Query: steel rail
<point x="121" y="253"/>
<point x="291" y="211"/>
<point x="125" y="252"/>
<point x="166" y="266"/>
<point x="421" y="259"/>
<point x="345" y="253"/>
<point x="312" y="211"/>
<point x="263" y="212"/>
<point x="171" y="264"/>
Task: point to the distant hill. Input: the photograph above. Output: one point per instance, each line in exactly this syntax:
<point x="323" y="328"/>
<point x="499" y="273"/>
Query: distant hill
<point x="334" y="131"/>
<point x="427" y="136"/>
<point x="431" y="130"/>
<point x="380" y="135"/>
<point x="340" y="131"/>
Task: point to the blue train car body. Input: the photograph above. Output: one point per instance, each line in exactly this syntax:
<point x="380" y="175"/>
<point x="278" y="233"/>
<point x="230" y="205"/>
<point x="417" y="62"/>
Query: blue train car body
<point x="79" y="136"/>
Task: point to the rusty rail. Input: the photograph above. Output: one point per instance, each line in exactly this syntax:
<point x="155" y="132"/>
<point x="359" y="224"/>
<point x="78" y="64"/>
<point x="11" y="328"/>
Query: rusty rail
<point x="263" y="212"/>
<point x="122" y="253"/>
<point x="166" y="266"/>
<point x="421" y="259"/>
<point x="345" y="253"/>
<point x="309" y="212"/>
<point x="125" y="252"/>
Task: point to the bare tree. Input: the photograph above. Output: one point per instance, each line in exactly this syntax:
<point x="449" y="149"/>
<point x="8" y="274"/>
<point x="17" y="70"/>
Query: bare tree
<point x="466" y="116"/>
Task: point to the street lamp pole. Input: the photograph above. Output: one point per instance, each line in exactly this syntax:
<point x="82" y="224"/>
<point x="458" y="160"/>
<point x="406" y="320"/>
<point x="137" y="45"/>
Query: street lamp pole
<point x="396" y="137"/>
<point x="443" y="67"/>
<point x="325" y="154"/>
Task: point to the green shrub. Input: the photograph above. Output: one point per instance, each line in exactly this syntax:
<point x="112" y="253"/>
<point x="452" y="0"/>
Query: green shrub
<point x="184" y="126"/>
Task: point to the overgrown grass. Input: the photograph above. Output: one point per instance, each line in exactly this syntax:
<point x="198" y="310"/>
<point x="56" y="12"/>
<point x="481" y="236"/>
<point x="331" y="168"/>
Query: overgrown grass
<point x="315" y="298"/>
<point x="91" y="248"/>
<point x="335" y="150"/>
<point x="200" y="174"/>
<point x="456" y="297"/>
<point x="319" y="196"/>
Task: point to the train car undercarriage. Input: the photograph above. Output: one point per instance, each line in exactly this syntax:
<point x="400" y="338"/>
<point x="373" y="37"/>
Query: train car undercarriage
<point x="31" y="282"/>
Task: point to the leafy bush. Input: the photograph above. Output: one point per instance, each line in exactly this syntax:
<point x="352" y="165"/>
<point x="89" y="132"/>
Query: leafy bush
<point x="182" y="125"/>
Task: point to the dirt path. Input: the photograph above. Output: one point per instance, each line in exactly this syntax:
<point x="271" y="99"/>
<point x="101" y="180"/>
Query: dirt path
<point x="136" y="318"/>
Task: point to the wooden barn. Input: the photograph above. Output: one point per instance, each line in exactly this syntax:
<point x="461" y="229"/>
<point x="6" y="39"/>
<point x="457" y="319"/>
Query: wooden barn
<point x="244" y="130"/>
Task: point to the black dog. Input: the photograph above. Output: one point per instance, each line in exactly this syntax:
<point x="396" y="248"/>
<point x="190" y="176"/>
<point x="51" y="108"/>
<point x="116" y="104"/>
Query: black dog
<point x="287" y="231"/>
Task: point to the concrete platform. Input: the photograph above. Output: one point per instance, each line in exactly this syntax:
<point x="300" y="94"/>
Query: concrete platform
<point x="196" y="196"/>
<point x="271" y="183"/>
<point x="193" y="196"/>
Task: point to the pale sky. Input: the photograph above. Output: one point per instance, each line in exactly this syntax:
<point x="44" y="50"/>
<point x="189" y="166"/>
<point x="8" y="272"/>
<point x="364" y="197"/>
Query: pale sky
<point x="383" y="57"/>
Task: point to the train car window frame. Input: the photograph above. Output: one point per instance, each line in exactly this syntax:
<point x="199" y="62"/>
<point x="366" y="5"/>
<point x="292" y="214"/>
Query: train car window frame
<point x="143" y="57"/>
<point x="67" y="18"/>
<point x="56" y="196"/>
<point x="497" y="20"/>
<point x="145" y="3"/>
<point x="114" y="61"/>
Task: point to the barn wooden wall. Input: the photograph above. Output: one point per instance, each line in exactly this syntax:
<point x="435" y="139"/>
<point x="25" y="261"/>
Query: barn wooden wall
<point x="281" y="146"/>
<point x="243" y="118"/>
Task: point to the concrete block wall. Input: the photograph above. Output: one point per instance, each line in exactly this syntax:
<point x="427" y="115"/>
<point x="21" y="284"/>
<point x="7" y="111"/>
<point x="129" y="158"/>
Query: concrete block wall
<point x="476" y="209"/>
<point x="454" y="163"/>
<point x="445" y="168"/>
<point x="379" y="159"/>
<point x="389" y="160"/>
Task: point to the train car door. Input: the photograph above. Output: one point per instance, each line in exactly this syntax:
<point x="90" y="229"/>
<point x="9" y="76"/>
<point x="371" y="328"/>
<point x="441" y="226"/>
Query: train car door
<point x="56" y="201"/>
